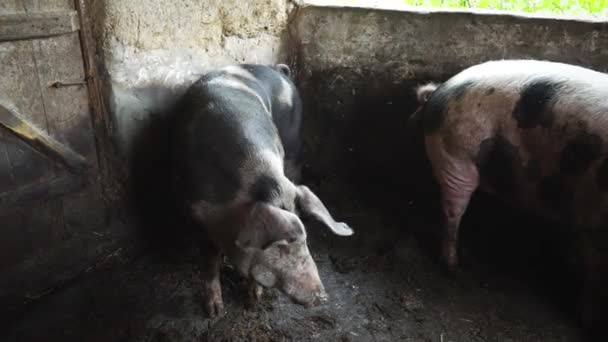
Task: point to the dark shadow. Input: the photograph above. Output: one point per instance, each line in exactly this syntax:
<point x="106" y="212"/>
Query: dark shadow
<point x="152" y="195"/>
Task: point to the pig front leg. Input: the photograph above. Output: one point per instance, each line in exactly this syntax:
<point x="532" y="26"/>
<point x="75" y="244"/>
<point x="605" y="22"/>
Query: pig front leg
<point x="212" y="288"/>
<point x="255" y="292"/>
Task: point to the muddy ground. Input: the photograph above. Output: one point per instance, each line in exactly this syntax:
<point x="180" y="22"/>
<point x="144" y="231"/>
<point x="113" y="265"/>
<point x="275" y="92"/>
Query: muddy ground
<point x="384" y="285"/>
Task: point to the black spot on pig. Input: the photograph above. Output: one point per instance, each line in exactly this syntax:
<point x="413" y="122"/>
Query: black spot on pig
<point x="490" y="91"/>
<point x="533" y="170"/>
<point x="264" y="189"/>
<point x="555" y="193"/>
<point x="434" y="110"/>
<point x="532" y="109"/>
<point x="579" y="153"/>
<point x="602" y="176"/>
<point x="499" y="164"/>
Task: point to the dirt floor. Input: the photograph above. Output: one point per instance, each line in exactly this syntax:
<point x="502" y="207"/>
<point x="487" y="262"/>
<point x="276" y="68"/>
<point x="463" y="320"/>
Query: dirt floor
<point x="384" y="285"/>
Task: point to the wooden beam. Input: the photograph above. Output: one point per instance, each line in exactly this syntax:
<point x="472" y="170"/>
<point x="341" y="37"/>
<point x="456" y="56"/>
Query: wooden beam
<point x="48" y="146"/>
<point x="45" y="190"/>
<point x="37" y="25"/>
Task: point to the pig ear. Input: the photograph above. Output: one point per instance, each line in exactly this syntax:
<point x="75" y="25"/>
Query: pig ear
<point x="284" y="69"/>
<point x="263" y="275"/>
<point x="308" y="203"/>
<point x="268" y="224"/>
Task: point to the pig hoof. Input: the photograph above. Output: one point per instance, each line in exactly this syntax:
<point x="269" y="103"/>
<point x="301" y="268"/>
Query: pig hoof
<point x="214" y="309"/>
<point x="255" y="293"/>
<point x="214" y="306"/>
<point x="449" y="256"/>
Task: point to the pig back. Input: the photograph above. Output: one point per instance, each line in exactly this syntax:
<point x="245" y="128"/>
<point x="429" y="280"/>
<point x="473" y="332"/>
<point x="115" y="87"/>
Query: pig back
<point x="223" y="126"/>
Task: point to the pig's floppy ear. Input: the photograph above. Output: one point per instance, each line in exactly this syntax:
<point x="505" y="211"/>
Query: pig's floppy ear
<point x="268" y="224"/>
<point x="308" y="203"/>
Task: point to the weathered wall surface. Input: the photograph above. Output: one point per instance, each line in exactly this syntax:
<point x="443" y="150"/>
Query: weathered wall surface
<point x="357" y="68"/>
<point x="152" y="49"/>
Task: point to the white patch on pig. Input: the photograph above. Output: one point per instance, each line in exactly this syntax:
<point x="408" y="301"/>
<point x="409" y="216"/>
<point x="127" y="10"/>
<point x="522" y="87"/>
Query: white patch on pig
<point x="227" y="81"/>
<point x="234" y="70"/>
<point x="285" y="95"/>
<point x="240" y="71"/>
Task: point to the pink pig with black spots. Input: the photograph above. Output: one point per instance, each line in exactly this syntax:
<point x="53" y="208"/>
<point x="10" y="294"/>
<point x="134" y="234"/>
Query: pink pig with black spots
<point x="534" y="133"/>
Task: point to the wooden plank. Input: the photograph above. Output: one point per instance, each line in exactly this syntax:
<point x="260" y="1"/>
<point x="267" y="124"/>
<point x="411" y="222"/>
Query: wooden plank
<point x="22" y="6"/>
<point x="19" y="84"/>
<point x="14" y="245"/>
<point x="46" y="5"/>
<point x="27" y="165"/>
<point x="67" y="107"/>
<point x="19" y="26"/>
<point x="43" y="191"/>
<point x="20" y="89"/>
<point x="45" y="229"/>
<point x="42" y="142"/>
<point x="7" y="177"/>
<point x="11" y="6"/>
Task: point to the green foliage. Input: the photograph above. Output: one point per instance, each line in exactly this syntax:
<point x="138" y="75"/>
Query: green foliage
<point x="571" y="7"/>
<point x="593" y="8"/>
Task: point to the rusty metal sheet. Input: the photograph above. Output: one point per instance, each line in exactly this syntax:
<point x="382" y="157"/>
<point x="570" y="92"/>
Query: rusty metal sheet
<point x="18" y="26"/>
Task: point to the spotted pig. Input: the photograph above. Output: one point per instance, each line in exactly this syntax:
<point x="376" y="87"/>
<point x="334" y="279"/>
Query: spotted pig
<point x="237" y="149"/>
<point x="530" y="132"/>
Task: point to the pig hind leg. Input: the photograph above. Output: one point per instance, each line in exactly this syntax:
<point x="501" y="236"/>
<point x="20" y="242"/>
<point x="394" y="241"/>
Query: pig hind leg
<point x="458" y="180"/>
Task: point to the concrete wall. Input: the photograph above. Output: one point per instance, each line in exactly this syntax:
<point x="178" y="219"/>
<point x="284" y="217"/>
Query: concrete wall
<point x="357" y="68"/>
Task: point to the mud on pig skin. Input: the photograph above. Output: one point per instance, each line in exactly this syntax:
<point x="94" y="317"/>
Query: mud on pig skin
<point x="237" y="141"/>
<point x="531" y="132"/>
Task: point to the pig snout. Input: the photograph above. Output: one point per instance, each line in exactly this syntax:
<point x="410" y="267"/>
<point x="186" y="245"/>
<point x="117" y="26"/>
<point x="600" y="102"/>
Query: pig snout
<point x="310" y="297"/>
<point x="318" y="299"/>
<point x="306" y="288"/>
